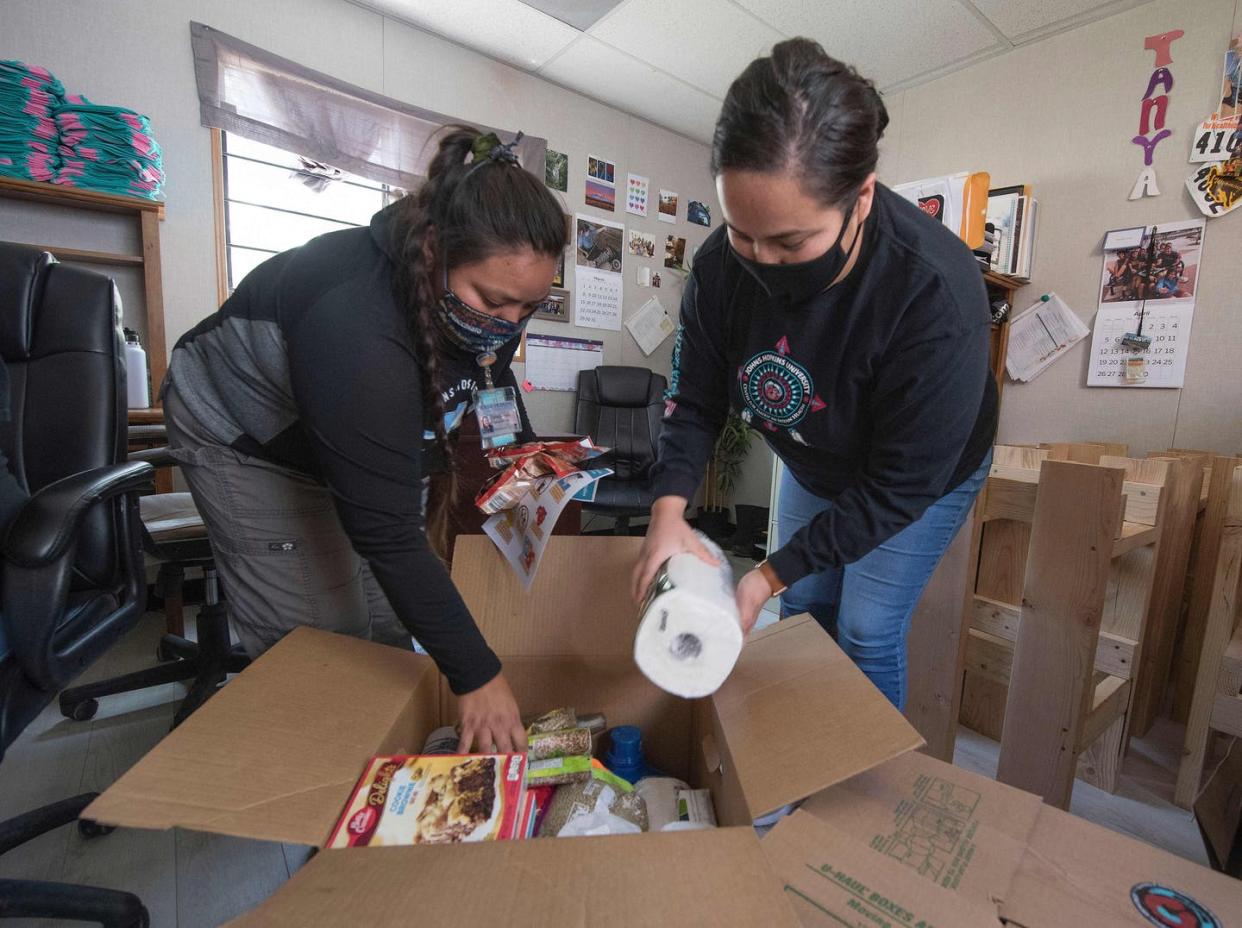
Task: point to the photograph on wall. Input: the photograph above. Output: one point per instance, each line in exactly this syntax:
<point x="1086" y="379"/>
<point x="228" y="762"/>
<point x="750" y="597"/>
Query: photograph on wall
<point x="559" y="279"/>
<point x="655" y="280"/>
<point x="601" y="169"/>
<point x="644" y="276"/>
<point x="1231" y="84"/>
<point x="556" y="170"/>
<point x="668" y="206"/>
<point x="675" y="253"/>
<point x="555" y="308"/>
<point x="642" y="244"/>
<point x="598" y="244"/>
<point x="1166" y="268"/>
<point x="636" y="190"/>
<point x="601" y="195"/>
<point x="699" y="213"/>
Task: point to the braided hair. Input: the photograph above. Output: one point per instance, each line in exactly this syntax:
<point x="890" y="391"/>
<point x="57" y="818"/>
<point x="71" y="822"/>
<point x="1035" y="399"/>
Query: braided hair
<point x="463" y="213"/>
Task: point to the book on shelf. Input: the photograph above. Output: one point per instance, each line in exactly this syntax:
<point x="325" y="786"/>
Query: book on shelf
<point x="1013" y="211"/>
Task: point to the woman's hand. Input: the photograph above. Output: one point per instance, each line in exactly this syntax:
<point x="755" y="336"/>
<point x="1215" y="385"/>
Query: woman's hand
<point x="490" y="719"/>
<point x="669" y="533"/>
<point x="753" y="591"/>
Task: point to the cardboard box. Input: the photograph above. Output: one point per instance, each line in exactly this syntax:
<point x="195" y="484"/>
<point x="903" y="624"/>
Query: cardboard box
<point x="275" y="754"/>
<point x="831" y="882"/>
<point x="1039" y="866"/>
<point x="689" y="878"/>
<point x="951" y="827"/>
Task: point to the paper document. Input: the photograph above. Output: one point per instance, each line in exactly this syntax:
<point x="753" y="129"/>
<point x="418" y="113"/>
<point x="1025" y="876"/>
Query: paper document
<point x="650" y="325"/>
<point x="554" y="363"/>
<point x="1040" y="335"/>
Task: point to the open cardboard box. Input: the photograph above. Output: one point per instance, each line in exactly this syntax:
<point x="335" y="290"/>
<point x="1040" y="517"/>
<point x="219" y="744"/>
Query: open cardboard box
<point x="984" y="844"/>
<point x="276" y="753"/>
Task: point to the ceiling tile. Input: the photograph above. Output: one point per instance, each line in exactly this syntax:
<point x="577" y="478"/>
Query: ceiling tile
<point x="706" y="43"/>
<point x="888" y="41"/>
<point x="507" y="30"/>
<point x="590" y="67"/>
<point x="1024" y="21"/>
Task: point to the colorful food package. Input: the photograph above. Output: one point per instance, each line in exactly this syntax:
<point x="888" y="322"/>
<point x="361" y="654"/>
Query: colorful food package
<point x="521" y="467"/>
<point x="415" y="799"/>
<point x="593" y="807"/>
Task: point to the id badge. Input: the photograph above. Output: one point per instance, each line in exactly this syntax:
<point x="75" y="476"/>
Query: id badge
<point x="499" y="419"/>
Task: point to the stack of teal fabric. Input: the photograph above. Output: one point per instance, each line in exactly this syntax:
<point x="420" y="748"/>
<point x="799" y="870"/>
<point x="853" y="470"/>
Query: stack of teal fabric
<point x="29" y="96"/>
<point x="108" y="148"/>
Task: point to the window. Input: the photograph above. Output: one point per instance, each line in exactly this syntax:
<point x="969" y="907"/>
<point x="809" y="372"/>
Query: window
<point x="269" y="207"/>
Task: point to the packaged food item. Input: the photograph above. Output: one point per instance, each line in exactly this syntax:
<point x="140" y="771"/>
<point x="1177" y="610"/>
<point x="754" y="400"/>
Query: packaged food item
<point x="557" y="771"/>
<point x="564" y="743"/>
<point x="442" y="741"/>
<point x="555" y="720"/>
<point x="414" y="799"/>
<point x="593" y="808"/>
<point x="521" y="467"/>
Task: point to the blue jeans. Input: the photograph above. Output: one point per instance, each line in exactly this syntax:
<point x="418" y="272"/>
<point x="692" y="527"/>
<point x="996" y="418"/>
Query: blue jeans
<point x="866" y="606"/>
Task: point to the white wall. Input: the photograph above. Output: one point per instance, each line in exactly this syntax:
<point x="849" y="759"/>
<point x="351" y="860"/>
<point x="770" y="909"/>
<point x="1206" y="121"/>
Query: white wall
<point x="137" y="53"/>
<point x="1059" y="115"/>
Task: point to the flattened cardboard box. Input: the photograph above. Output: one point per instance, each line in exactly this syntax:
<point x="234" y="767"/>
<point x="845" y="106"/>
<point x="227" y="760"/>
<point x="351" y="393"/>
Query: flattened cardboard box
<point x="831" y="881"/>
<point x="692" y="878"/>
<point x="988" y="842"/>
<point x="276" y="752"/>
<point x="951" y="827"/>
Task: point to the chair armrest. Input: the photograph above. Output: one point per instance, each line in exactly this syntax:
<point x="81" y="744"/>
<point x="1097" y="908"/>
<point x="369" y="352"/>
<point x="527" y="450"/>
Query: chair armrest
<point x="157" y="457"/>
<point x="46" y="525"/>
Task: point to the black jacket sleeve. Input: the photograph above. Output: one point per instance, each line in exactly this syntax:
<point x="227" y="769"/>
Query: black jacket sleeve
<point x="356" y="383"/>
<point x="927" y="396"/>
<point x="701" y="402"/>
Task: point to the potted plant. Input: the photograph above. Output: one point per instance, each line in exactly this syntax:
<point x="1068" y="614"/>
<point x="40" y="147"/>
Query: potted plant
<point x="732" y="445"/>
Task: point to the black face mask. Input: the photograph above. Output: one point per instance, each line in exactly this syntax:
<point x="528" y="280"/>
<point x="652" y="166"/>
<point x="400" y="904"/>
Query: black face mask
<point x="793" y="284"/>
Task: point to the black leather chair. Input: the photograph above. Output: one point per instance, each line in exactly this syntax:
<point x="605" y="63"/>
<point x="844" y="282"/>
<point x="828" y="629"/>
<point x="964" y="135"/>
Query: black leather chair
<point x="173" y="534"/>
<point x="72" y="579"/>
<point x="622" y="408"/>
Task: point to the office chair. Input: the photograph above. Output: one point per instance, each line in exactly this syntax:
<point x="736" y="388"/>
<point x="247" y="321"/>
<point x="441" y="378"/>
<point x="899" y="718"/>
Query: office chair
<point x="173" y="534"/>
<point x="72" y="579"/>
<point x="622" y="408"/>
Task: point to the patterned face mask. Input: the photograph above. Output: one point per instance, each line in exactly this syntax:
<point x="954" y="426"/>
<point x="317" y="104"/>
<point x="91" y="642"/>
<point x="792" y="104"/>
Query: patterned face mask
<point x="470" y="329"/>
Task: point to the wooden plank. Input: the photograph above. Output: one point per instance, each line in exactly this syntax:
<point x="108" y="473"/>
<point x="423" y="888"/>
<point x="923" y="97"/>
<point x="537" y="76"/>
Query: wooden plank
<point x="1178" y="510"/>
<point x="1026" y="457"/>
<point x="1113" y="656"/>
<point x="1099" y="763"/>
<point x="1081" y="452"/>
<point x="1009" y="499"/>
<point x="1002" y="560"/>
<point x="1050" y="693"/>
<point x="1217" y="632"/>
<point x="82" y="256"/>
<point x="936" y="643"/>
<point x="989" y="656"/>
<point x="1134" y="535"/>
<point x="1129" y="591"/>
<point x="1203" y="569"/>
<point x="983" y="705"/>
<point x="41" y="192"/>
<point x="1112" y="694"/>
<point x="153" y="292"/>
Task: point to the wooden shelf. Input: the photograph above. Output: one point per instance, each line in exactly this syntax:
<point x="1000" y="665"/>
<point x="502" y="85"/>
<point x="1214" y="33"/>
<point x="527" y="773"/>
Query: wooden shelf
<point x="76" y="197"/>
<point x="110" y="258"/>
<point x="1004" y="280"/>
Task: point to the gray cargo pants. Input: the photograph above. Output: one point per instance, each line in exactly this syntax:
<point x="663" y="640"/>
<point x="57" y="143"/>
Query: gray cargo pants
<point x="280" y="550"/>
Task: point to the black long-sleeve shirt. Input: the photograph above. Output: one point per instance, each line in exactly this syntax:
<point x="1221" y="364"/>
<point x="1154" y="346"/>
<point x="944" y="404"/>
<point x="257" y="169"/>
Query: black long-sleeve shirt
<point x="310" y="363"/>
<point x="876" y="394"/>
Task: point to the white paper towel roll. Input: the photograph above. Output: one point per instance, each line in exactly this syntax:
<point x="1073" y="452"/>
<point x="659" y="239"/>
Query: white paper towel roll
<point x="690" y="634"/>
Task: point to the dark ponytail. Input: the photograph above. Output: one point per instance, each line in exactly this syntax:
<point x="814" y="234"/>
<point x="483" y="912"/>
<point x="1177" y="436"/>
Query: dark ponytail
<point x="463" y="212"/>
<point x="802" y="111"/>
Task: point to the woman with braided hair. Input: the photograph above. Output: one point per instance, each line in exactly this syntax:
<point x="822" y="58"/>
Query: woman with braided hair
<point x="312" y="415"/>
<point x="851" y="330"/>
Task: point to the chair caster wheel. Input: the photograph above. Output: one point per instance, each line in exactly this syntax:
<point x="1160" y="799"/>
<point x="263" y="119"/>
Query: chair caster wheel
<point x="88" y="829"/>
<point x="81" y="711"/>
